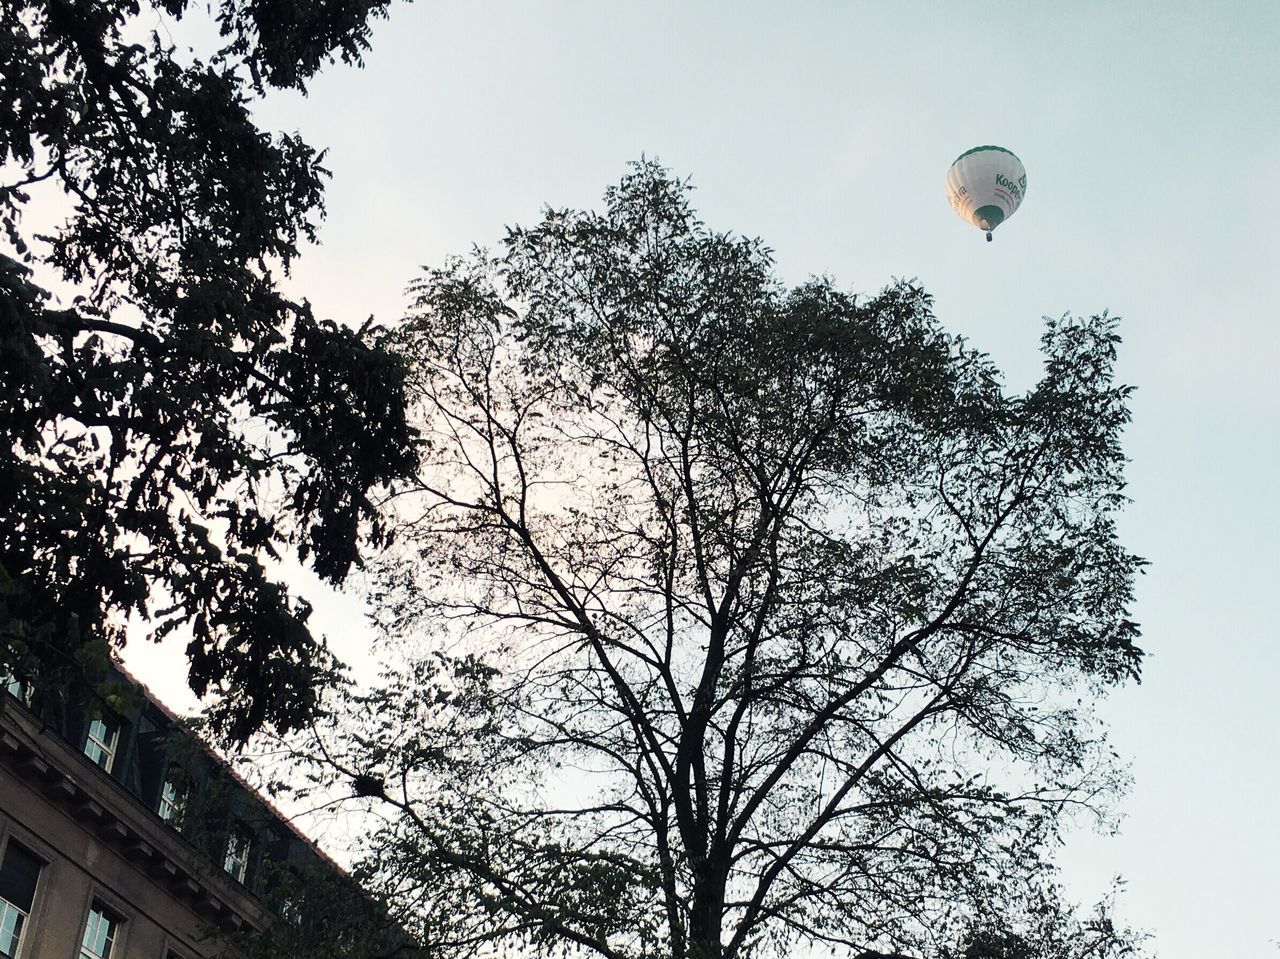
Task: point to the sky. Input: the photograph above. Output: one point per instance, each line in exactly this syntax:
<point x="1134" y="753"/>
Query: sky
<point x="1151" y="136"/>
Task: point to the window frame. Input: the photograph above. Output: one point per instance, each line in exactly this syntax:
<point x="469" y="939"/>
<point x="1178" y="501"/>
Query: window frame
<point x="112" y="904"/>
<point x="19" y="927"/>
<point x="16" y="688"/>
<point x="173" y="797"/>
<point x="31" y="917"/>
<point x="238" y="835"/>
<point x="107" y="910"/>
<point x="110" y="747"/>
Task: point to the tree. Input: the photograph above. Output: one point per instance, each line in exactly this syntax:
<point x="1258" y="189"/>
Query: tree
<point x="736" y="617"/>
<point x="325" y="913"/>
<point x="182" y="421"/>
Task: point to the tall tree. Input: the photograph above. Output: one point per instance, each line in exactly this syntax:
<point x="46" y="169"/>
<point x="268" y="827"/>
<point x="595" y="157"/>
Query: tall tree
<point x="738" y="617"/>
<point x="181" y="421"/>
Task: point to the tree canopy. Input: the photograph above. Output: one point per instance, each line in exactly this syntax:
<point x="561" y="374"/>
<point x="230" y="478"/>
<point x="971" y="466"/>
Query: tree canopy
<point x="180" y="421"/>
<point x="736" y="617"/>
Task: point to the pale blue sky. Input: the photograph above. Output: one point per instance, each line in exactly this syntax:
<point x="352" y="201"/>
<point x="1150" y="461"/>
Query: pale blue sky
<point x="1151" y="137"/>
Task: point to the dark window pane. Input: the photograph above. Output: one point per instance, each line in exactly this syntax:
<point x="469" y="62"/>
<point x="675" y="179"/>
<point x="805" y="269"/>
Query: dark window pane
<point x="18" y="876"/>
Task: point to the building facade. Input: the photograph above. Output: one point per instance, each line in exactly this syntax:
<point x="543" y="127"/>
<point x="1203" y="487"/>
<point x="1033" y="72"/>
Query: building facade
<point x="123" y="837"/>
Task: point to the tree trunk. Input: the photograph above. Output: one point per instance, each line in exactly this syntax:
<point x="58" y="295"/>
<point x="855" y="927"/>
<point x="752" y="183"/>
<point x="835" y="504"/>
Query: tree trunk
<point x="707" y="913"/>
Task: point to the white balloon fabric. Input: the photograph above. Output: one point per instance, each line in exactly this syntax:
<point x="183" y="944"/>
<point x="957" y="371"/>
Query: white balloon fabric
<point x="986" y="185"/>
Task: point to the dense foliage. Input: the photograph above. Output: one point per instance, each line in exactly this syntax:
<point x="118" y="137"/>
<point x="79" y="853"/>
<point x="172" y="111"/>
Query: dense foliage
<point x="179" y="420"/>
<point x="738" y="618"/>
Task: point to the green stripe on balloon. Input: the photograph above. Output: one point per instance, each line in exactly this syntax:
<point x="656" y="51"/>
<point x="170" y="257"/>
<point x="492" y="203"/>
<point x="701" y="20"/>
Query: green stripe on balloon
<point x="992" y="214"/>
<point x="985" y="149"/>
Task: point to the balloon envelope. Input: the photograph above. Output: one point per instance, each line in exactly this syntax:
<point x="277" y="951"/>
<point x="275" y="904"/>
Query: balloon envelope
<point x="986" y="185"/>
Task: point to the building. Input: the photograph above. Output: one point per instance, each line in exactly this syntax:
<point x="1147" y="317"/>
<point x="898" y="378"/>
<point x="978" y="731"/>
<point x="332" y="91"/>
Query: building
<point x="123" y="837"/>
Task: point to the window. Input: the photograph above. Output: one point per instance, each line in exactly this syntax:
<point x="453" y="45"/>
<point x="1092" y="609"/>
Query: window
<point x="171" y="797"/>
<point x="10" y="682"/>
<point x="19" y="872"/>
<point x="101" y="742"/>
<point x="16" y="688"/>
<point x="237" y="861"/>
<point x="99" y="933"/>
<point x="290" y="912"/>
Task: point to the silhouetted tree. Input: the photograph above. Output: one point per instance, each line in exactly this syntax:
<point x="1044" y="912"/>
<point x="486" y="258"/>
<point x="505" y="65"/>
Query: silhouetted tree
<point x="322" y="912"/>
<point x="181" y="420"/>
<point x="736" y="617"/>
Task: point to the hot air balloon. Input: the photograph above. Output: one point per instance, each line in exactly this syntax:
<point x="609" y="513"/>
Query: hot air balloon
<point x="986" y="185"/>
